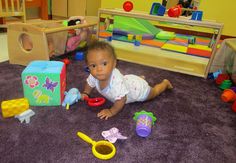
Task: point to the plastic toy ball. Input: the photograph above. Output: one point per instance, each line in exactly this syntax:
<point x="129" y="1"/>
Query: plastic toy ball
<point x="128" y="6"/>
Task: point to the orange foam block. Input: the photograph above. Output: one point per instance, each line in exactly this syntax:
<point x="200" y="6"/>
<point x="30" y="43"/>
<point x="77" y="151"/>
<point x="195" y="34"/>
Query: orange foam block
<point x="153" y="43"/>
<point x="202" y="40"/>
<point x="104" y="34"/>
<point x="199" y="52"/>
<point x="180" y="40"/>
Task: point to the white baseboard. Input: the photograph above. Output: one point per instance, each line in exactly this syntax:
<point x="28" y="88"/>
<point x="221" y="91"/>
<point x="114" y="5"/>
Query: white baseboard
<point x="3" y="47"/>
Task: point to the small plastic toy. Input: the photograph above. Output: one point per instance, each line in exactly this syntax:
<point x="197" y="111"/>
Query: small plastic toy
<point x="14" y="107"/>
<point x="79" y="56"/>
<point x="233" y="88"/>
<point x="130" y="37"/>
<point x="25" y="116"/>
<point x="157" y="9"/>
<point x="192" y="40"/>
<point x="73" y="22"/>
<point x="97" y="101"/>
<point x="225" y="84"/>
<point x="221" y="77"/>
<point x="197" y="15"/>
<point x="71" y="97"/>
<point x="137" y="43"/>
<point x="112" y="135"/>
<point x="175" y="11"/>
<point x="109" y="38"/>
<point x="128" y="6"/>
<point x="103" y="149"/>
<point x="214" y="75"/>
<point x="228" y="95"/>
<point x="144" y="121"/>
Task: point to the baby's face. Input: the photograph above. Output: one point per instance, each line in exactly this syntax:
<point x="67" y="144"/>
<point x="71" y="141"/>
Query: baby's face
<point x="100" y="63"/>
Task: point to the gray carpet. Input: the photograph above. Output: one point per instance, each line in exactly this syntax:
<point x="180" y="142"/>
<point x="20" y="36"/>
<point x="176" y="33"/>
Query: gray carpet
<point x="193" y="124"/>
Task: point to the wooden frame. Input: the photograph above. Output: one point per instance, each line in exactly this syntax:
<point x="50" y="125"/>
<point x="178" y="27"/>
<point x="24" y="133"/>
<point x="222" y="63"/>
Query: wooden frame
<point x="37" y="32"/>
<point x="41" y="4"/>
<point x="9" y="8"/>
<point x="157" y="57"/>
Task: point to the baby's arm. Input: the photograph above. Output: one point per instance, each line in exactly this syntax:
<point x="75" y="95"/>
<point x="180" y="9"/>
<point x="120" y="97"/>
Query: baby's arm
<point x="86" y="92"/>
<point x="116" y="108"/>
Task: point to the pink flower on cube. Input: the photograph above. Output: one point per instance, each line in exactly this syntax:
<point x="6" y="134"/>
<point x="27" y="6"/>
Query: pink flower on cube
<point x="32" y="81"/>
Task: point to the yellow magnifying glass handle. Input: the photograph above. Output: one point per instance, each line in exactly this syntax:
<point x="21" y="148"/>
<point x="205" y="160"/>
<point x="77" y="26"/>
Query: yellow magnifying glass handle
<point x="67" y="106"/>
<point x="86" y="138"/>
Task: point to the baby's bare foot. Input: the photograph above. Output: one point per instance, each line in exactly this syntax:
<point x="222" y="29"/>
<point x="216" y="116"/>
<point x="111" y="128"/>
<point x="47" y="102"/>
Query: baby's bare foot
<point x="169" y="85"/>
<point x="142" y="76"/>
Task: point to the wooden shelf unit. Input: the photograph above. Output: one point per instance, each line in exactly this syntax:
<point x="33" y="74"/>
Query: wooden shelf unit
<point x="157" y="57"/>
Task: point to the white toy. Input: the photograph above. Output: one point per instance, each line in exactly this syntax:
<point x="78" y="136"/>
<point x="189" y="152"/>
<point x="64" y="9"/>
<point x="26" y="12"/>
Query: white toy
<point x="112" y="135"/>
<point x="25" y="116"/>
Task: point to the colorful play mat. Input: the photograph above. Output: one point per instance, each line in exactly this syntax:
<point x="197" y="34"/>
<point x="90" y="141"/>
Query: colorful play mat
<point x="130" y="29"/>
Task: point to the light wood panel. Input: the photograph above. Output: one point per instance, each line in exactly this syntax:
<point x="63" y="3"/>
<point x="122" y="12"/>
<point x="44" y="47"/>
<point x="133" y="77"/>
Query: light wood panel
<point x="68" y="8"/>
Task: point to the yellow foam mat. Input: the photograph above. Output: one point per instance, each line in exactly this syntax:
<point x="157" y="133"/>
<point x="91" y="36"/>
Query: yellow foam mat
<point x="173" y="47"/>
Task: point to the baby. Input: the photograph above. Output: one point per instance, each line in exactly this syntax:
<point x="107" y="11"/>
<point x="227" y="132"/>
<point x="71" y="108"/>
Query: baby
<point x="107" y="79"/>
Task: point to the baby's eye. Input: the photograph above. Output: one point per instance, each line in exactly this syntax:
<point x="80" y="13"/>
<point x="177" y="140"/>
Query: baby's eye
<point x="92" y="66"/>
<point x="104" y="63"/>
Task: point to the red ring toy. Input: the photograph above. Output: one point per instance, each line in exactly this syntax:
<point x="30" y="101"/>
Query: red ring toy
<point x="97" y="101"/>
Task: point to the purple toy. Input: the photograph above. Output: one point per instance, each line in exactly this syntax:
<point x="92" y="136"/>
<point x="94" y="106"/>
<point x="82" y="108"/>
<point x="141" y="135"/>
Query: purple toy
<point x="144" y="121"/>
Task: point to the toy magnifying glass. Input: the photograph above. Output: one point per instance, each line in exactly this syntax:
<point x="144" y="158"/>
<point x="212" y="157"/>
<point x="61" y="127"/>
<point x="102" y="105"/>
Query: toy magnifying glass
<point x="102" y="149"/>
<point x="97" y="101"/>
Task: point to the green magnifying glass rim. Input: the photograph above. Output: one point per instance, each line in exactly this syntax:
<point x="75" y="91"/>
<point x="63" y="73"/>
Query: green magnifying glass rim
<point x="104" y="156"/>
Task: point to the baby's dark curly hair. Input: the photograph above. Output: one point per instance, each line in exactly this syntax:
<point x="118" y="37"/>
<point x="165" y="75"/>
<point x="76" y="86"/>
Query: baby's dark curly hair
<point x="100" y="45"/>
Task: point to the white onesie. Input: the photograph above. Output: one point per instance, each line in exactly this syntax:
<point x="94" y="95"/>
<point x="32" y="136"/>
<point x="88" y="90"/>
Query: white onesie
<point x="134" y="87"/>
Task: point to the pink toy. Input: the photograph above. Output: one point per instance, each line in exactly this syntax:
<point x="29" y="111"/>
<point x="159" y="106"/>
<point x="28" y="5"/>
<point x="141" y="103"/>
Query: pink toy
<point x="73" y="43"/>
<point x="112" y="135"/>
<point x="80" y="34"/>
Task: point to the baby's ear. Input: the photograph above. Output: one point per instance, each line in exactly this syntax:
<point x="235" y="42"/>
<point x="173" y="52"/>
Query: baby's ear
<point x="114" y="65"/>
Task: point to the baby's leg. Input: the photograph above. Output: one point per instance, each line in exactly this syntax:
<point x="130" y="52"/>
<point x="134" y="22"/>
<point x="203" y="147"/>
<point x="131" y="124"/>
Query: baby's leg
<point x="159" y="88"/>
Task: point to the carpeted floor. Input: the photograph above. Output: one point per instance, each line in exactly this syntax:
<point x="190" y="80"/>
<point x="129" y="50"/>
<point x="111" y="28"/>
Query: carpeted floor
<point x="193" y="124"/>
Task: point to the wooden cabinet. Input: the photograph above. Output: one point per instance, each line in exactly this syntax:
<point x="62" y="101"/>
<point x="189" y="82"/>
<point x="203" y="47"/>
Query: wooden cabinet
<point x="160" y="57"/>
<point x="59" y="8"/>
<point x="67" y="8"/>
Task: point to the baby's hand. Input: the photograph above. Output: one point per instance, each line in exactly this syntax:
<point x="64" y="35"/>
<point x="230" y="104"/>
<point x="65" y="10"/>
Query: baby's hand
<point x="83" y="95"/>
<point x="105" y="114"/>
